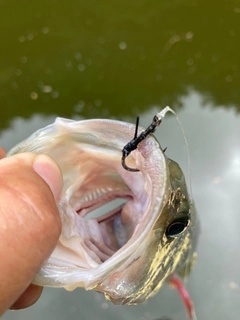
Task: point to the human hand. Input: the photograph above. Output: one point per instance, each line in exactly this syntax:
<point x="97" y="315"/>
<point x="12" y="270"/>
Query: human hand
<point x="30" y="225"/>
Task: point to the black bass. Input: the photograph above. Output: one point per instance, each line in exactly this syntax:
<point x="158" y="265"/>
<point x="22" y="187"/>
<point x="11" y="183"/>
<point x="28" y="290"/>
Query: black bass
<point x="129" y="252"/>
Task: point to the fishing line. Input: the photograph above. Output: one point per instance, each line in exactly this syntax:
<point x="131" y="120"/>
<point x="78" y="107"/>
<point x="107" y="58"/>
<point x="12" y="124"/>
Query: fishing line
<point x="161" y="115"/>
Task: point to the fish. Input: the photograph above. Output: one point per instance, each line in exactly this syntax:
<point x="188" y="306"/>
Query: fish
<point x="130" y="251"/>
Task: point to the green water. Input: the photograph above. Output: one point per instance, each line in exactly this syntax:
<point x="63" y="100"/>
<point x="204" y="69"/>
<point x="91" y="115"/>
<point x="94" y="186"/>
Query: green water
<point x="119" y="59"/>
<point x="115" y="58"/>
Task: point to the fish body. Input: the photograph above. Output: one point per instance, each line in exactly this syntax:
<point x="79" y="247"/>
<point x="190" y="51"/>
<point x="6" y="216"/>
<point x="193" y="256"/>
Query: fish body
<point x="129" y="252"/>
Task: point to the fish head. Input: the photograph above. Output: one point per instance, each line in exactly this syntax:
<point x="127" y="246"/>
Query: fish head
<point x="168" y="247"/>
<point x="128" y="252"/>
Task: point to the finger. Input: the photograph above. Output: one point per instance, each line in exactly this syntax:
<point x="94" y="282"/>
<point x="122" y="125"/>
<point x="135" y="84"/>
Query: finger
<point x="44" y="165"/>
<point x="28" y="297"/>
<point x="2" y="153"/>
<point x="29" y="220"/>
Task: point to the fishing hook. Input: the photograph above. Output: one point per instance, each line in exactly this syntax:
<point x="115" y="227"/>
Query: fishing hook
<point x="132" y="145"/>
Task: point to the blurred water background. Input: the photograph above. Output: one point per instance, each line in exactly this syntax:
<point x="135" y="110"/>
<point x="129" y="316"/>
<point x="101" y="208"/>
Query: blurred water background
<point x="118" y="59"/>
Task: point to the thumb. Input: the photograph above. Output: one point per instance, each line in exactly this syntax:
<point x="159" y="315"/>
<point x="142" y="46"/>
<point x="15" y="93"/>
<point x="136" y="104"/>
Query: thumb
<point x="50" y="173"/>
<point x="30" y="224"/>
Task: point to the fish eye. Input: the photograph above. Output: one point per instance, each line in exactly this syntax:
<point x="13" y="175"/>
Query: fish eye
<point x="176" y="227"/>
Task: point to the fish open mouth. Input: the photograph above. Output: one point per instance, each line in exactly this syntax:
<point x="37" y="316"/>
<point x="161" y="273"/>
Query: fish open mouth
<point x="96" y="183"/>
<point x="91" y="248"/>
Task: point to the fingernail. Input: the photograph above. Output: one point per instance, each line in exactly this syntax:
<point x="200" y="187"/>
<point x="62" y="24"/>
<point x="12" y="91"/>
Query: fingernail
<point x="28" y="297"/>
<point x="50" y="172"/>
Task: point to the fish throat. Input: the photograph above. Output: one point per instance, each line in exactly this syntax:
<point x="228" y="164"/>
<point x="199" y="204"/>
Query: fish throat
<point x="109" y="231"/>
<point x="95" y="183"/>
